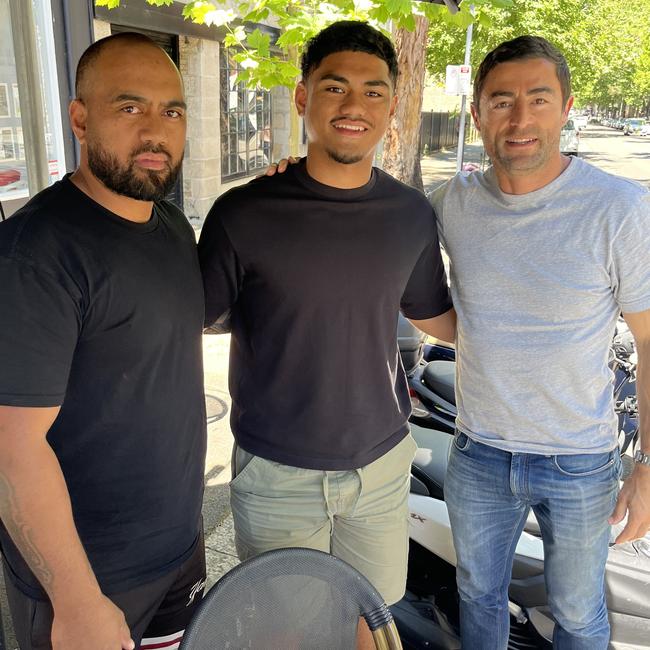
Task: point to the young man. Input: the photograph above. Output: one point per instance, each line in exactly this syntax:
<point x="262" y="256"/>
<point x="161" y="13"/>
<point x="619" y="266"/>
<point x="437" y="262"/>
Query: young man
<point x="102" y="423"/>
<point x="545" y="251"/>
<point x="315" y="265"/>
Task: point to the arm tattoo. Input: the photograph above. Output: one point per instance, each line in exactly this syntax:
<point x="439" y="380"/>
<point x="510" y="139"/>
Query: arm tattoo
<point x="21" y="533"/>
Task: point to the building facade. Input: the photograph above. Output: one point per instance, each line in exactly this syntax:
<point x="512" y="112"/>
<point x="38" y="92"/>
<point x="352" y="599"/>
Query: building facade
<point x="233" y="131"/>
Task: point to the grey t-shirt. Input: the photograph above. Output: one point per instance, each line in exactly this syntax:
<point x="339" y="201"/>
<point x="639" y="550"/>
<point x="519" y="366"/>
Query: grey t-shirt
<point x="538" y="281"/>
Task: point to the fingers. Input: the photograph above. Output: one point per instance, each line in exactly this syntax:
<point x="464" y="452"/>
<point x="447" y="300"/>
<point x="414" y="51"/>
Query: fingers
<point x="619" y="511"/>
<point x="127" y="642"/>
<point x="633" y="530"/>
<point x="271" y="169"/>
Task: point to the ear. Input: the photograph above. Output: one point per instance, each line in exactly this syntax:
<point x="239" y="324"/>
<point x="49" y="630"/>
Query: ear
<point x="393" y="106"/>
<point x="300" y="98"/>
<point x="477" y="121"/>
<point x="567" y="108"/>
<point x="78" y="115"/>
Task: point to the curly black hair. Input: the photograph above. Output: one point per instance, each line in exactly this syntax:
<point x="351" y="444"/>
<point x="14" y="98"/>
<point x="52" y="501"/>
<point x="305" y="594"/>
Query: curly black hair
<point x="348" y="36"/>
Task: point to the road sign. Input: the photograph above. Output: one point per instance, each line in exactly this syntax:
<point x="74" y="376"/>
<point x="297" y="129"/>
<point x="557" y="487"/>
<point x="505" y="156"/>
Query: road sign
<point x="458" y="80"/>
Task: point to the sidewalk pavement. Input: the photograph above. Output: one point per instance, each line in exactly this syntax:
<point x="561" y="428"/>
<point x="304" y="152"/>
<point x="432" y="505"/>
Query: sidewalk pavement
<point x="219" y="537"/>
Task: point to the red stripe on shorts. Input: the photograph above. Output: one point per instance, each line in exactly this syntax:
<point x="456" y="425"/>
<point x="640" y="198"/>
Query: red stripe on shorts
<point x="164" y="644"/>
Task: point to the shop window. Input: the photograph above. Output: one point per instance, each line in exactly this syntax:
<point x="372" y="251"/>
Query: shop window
<point x="246" y="133"/>
<point x="4" y="100"/>
<point x="13" y="167"/>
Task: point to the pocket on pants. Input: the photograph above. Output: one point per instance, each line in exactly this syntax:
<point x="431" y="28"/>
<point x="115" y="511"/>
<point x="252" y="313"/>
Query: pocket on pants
<point x="585" y="464"/>
<point x="462" y="441"/>
<point x="244" y="465"/>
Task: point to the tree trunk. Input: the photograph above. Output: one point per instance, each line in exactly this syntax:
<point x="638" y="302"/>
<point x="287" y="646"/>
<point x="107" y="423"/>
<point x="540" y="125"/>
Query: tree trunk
<point x="294" y="118"/>
<point x="401" y="156"/>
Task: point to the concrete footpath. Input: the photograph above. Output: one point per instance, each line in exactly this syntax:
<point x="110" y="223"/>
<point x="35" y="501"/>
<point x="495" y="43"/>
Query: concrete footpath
<point x="219" y="540"/>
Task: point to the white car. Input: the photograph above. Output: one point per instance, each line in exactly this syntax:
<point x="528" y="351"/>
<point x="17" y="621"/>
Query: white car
<point x="569" y="138"/>
<point x="581" y="121"/>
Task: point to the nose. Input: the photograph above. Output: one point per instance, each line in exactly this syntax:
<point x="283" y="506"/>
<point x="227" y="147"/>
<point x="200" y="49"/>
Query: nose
<point x="520" y="113"/>
<point x="352" y="104"/>
<point x="153" y="128"/>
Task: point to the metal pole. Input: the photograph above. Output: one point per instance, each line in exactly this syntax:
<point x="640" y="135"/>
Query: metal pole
<point x="463" y="102"/>
<point x="30" y="94"/>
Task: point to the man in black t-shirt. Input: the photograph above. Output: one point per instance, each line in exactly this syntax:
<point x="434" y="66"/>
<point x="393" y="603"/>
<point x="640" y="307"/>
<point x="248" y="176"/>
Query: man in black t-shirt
<point x="314" y="266"/>
<point x="102" y="416"/>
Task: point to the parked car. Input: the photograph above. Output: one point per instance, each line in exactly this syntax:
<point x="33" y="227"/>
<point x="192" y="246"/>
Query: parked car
<point x="645" y="130"/>
<point x="580" y="121"/>
<point x="569" y="138"/>
<point x="633" y="126"/>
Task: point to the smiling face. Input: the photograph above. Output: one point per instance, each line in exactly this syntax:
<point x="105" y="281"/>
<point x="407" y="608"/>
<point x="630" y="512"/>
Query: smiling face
<point x="347" y="102"/>
<point x="130" y="121"/>
<point x="520" y="115"/>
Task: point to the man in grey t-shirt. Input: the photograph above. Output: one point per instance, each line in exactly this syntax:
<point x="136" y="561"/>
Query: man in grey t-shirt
<point x="546" y="252"/>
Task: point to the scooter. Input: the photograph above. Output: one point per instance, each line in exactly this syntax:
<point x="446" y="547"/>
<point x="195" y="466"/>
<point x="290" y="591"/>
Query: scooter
<point x="427" y="617"/>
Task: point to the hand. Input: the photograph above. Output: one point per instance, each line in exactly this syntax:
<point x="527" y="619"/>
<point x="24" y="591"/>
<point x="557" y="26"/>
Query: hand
<point x="100" y="626"/>
<point x="281" y="166"/>
<point x="634" y="499"/>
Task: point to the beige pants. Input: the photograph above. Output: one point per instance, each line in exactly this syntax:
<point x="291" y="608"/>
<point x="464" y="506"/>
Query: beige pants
<point x="361" y="515"/>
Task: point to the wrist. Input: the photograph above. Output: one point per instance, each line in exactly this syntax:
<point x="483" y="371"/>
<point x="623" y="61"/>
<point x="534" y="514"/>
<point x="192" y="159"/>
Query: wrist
<point x="642" y="458"/>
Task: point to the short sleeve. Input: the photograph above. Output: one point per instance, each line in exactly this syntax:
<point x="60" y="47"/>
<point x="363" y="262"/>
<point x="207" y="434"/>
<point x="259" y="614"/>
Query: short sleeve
<point x="630" y="256"/>
<point x="427" y="292"/>
<point x="39" y="329"/>
<point x="222" y="273"/>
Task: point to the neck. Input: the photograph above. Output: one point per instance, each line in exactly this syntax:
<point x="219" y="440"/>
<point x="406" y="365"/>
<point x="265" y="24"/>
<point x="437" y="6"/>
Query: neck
<point x="525" y="183"/>
<point x="123" y="206"/>
<point x="323" y="169"/>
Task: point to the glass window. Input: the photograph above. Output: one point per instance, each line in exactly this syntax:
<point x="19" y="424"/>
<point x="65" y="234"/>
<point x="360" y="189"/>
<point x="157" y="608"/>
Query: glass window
<point x="246" y="134"/>
<point x="13" y="168"/>
<point x="7" y="151"/>
<point x="4" y="100"/>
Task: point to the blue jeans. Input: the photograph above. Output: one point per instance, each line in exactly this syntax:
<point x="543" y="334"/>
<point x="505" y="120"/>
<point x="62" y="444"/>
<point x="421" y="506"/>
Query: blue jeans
<point x="489" y="493"/>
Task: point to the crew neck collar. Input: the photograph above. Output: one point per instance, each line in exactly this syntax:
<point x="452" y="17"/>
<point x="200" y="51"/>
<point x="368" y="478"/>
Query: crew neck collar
<point x="147" y="226"/>
<point x="330" y="192"/>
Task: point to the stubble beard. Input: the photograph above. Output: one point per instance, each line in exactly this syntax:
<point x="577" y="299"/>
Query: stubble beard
<point x="525" y="164"/>
<point x="127" y="180"/>
<point x="344" y="159"/>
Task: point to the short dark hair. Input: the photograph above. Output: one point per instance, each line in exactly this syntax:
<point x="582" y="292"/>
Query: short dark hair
<point x="348" y="36"/>
<point x="524" y="47"/>
<point x="92" y="53"/>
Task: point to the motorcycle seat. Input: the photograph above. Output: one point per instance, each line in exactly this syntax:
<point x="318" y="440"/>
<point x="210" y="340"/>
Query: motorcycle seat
<point x="432" y="455"/>
<point x="440" y="377"/>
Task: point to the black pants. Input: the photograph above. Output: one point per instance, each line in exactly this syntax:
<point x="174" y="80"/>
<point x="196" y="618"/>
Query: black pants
<point x="161" y="608"/>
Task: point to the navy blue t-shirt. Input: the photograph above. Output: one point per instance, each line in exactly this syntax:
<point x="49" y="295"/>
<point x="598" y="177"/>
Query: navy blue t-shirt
<point x="314" y="278"/>
<point x="103" y="316"/>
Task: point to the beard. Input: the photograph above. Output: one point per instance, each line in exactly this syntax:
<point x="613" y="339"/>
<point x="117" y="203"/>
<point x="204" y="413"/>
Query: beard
<point x="127" y="180"/>
<point x="344" y="159"/>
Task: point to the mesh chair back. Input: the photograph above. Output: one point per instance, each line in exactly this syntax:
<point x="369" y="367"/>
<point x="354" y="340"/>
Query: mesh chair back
<point x="289" y="599"/>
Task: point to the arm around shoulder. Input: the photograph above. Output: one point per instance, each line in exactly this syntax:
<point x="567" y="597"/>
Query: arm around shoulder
<point x="442" y="327"/>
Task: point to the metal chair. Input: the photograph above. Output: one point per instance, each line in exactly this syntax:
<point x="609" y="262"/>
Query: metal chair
<point x="290" y="599"/>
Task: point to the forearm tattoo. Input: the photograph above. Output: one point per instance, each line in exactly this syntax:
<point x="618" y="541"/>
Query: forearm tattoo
<point x="21" y="532"/>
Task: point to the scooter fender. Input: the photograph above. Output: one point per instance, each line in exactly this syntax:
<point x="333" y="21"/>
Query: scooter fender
<point x="429" y="526"/>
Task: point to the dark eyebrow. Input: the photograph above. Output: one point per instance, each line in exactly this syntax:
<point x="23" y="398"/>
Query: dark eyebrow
<point x="532" y="91"/>
<point x="128" y="97"/>
<point x="343" y="80"/>
<point x="541" y="89"/>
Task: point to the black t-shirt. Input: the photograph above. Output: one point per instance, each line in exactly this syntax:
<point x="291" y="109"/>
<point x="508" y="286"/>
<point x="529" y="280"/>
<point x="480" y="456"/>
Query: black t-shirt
<point x="314" y="277"/>
<point x="103" y="316"/>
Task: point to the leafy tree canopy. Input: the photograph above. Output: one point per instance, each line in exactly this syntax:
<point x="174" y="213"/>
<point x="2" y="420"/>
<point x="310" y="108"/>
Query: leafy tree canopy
<point x="607" y="44"/>
<point x="271" y="64"/>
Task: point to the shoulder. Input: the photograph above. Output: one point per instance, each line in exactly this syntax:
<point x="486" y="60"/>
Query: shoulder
<point x="402" y="194"/>
<point x="612" y="188"/>
<point x="32" y="231"/>
<point x="174" y="216"/>
<point x="458" y="189"/>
